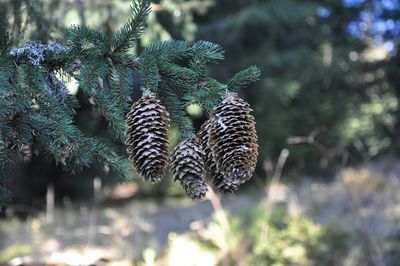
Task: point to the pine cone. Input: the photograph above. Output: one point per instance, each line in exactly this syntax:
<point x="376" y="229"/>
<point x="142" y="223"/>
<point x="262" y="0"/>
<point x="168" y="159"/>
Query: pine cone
<point x="187" y="162"/>
<point x="147" y="137"/>
<point x="233" y="139"/>
<point x="214" y="174"/>
<point x="226" y="185"/>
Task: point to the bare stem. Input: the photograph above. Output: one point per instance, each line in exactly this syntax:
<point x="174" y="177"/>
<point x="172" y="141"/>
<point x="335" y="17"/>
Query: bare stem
<point x="268" y="190"/>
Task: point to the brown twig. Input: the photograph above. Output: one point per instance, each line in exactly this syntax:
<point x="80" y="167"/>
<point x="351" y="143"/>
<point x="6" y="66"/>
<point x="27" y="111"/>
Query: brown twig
<point x="274" y="180"/>
<point x="327" y="152"/>
<point x="217" y="206"/>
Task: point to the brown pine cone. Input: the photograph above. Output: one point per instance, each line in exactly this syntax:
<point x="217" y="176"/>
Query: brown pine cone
<point x="147" y="137"/>
<point x="216" y="177"/>
<point x="233" y="139"/>
<point x="187" y="162"/>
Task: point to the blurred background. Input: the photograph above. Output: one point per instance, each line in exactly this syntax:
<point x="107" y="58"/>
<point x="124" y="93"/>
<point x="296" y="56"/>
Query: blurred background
<point x="328" y="118"/>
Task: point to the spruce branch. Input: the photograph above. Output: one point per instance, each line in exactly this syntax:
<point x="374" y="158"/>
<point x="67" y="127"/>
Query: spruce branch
<point x="178" y="116"/>
<point x="8" y="156"/>
<point x="244" y="78"/>
<point x="177" y="72"/>
<point x="122" y="86"/>
<point x="109" y="110"/>
<point x="37" y="109"/>
<point x="90" y="73"/>
<point x="81" y="38"/>
<point x="149" y="71"/>
<point x="211" y="52"/>
<point x="4" y="36"/>
<point x="198" y="65"/>
<point x="168" y="50"/>
<point x="128" y="35"/>
<point x="7" y="71"/>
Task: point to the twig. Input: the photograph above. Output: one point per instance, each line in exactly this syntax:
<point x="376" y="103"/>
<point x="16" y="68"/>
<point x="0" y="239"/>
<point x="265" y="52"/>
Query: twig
<point x="274" y="180"/>
<point x="327" y="152"/>
<point x="50" y="195"/>
<point x="91" y="233"/>
<point x="217" y="206"/>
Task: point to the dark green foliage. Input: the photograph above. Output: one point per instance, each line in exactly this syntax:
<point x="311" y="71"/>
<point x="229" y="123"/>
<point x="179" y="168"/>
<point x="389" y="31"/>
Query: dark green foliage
<point x="243" y="78"/>
<point x="310" y="83"/>
<point x="127" y="37"/>
<point x="38" y="113"/>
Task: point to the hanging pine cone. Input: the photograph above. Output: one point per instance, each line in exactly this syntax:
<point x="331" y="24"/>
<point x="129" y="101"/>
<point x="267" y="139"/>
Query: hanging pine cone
<point x="233" y="139"/>
<point x="187" y="163"/>
<point x="224" y="185"/>
<point x="147" y="137"/>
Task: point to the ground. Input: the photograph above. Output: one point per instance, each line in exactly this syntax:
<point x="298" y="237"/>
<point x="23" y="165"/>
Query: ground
<point x="362" y="201"/>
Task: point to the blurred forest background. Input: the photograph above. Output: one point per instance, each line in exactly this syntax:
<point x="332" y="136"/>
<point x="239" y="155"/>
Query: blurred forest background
<point x="328" y="118"/>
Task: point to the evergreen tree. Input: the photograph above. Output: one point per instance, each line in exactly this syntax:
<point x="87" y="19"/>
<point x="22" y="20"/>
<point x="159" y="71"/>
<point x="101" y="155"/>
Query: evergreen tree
<point x="311" y="85"/>
<point x="38" y="113"/>
<point x="377" y="23"/>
